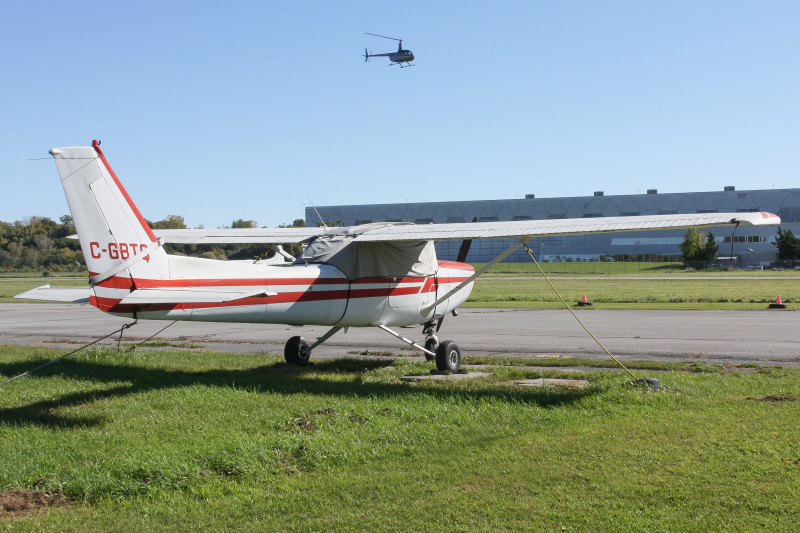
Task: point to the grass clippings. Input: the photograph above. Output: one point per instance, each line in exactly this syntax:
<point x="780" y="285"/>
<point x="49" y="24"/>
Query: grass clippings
<point x="16" y="502"/>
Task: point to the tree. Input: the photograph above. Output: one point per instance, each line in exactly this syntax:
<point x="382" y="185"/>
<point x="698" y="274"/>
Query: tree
<point x="699" y="246"/>
<point x="711" y="249"/>
<point x="244" y="224"/>
<point x="294" y="248"/>
<point x="788" y="245"/>
<point x="170" y="222"/>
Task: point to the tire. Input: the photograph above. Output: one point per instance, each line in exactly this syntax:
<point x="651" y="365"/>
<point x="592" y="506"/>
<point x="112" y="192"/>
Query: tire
<point x="448" y="357"/>
<point x="431" y="343"/>
<point x="296" y="351"/>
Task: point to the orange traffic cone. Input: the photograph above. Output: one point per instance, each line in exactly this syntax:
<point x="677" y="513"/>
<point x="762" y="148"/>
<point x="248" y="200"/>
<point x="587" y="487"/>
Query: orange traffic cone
<point x="584" y="302"/>
<point x="778" y="304"/>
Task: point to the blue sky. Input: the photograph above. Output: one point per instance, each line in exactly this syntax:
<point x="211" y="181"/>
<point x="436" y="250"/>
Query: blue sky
<point x="223" y="110"/>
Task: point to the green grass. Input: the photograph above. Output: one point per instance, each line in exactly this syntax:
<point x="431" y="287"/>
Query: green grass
<point x="9" y="286"/>
<point x="680" y="293"/>
<point x="619" y="268"/>
<point x="219" y="442"/>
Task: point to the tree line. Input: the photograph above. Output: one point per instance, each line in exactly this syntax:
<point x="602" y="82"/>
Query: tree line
<point x="40" y="243"/>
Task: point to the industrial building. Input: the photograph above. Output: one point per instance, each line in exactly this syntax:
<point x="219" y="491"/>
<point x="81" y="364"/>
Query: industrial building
<point x="748" y="245"/>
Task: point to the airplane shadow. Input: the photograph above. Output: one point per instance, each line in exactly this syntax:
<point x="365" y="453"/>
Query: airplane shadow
<point x="270" y="379"/>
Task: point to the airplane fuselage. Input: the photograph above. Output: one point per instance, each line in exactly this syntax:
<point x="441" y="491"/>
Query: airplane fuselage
<point x="298" y="294"/>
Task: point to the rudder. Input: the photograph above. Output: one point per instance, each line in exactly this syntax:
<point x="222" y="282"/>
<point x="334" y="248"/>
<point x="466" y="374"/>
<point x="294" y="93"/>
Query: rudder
<point x="110" y="228"/>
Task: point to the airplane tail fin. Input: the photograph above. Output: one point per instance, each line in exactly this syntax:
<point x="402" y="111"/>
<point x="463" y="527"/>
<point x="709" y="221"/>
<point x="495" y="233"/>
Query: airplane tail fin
<point x="116" y="241"/>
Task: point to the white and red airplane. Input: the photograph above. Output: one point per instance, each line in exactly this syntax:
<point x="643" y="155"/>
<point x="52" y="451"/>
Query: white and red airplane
<point x="377" y="275"/>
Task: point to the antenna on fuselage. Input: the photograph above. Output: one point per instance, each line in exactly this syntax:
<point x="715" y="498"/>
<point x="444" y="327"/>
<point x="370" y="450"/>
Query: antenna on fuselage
<point x="317" y="212"/>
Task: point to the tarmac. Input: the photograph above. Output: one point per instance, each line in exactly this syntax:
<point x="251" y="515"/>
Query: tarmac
<point x="726" y="337"/>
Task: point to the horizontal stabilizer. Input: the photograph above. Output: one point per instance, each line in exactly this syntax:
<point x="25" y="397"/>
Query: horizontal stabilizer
<point x="189" y="295"/>
<point x="46" y="292"/>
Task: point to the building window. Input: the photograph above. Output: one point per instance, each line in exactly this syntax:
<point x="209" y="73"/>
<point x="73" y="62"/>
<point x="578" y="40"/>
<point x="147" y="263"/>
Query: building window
<point x="488" y="219"/>
<point x="522" y="217"/>
<point x="424" y="221"/>
<point x="750" y="238"/>
<point x="552" y="216"/>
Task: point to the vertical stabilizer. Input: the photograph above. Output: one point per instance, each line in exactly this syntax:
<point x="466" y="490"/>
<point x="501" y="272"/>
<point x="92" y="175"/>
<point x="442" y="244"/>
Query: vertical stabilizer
<point x="110" y="228"/>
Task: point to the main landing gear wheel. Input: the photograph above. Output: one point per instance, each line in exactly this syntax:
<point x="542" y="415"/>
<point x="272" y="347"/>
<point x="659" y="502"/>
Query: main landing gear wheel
<point x="448" y="357"/>
<point x="431" y="344"/>
<point x="296" y="351"/>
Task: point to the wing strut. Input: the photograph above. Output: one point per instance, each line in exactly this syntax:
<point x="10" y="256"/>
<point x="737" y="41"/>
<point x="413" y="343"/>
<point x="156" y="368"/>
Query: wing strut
<point x="428" y="308"/>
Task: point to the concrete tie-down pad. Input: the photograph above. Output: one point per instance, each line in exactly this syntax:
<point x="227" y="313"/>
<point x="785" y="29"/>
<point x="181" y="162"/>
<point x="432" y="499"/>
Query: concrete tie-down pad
<point x="445" y="377"/>
<point x="548" y="382"/>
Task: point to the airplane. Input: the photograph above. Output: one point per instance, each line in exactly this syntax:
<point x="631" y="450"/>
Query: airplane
<point x="383" y="274"/>
<point x="399" y="57"/>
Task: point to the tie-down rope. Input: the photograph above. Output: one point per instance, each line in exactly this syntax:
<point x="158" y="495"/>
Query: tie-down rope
<point x="530" y="253"/>
<point x="120" y="330"/>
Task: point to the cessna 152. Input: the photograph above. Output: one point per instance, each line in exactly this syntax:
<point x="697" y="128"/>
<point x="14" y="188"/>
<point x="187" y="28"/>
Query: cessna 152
<point x="377" y="275"/>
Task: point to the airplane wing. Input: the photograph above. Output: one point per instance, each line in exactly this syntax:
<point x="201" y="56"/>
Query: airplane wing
<point x="522" y="229"/>
<point x="189" y="295"/>
<point x="526" y="229"/>
<point x="46" y="292"/>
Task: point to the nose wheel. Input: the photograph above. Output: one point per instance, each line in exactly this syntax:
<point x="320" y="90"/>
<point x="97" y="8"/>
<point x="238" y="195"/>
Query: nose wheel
<point x="431" y="344"/>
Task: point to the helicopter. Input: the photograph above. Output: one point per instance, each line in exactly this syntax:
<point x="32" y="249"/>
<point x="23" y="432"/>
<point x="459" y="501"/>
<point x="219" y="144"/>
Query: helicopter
<point x="399" y="57"/>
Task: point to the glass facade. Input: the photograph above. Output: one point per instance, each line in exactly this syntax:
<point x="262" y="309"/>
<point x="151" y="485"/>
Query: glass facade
<point x="751" y="243"/>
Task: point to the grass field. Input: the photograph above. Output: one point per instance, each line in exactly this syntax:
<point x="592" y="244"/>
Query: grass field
<point x="684" y="291"/>
<point x="177" y="441"/>
<point x="619" y="268"/>
<point x="11" y="285"/>
<point x="678" y="293"/>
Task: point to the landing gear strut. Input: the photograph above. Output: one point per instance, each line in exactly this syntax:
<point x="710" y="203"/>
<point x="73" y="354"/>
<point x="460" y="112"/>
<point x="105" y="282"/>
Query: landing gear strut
<point x="447" y="354"/>
<point x="298" y="352"/>
<point x="431" y="340"/>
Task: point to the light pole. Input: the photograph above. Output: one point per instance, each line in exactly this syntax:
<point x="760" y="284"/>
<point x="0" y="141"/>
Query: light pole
<point x="752" y="256"/>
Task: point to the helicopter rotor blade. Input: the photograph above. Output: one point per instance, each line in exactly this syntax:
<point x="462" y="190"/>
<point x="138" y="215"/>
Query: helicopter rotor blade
<point x="396" y="39"/>
<point x="385" y="37"/>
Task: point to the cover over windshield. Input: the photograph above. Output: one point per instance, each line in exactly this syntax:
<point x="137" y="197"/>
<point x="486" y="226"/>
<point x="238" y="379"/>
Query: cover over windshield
<point x="372" y="259"/>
